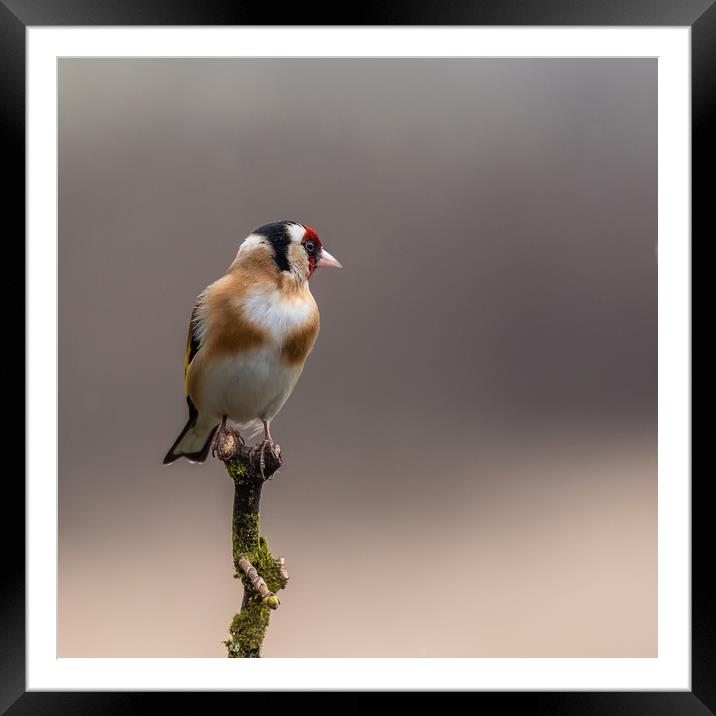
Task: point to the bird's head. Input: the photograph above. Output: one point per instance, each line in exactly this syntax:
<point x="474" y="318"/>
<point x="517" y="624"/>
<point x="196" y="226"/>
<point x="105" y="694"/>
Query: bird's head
<point x="293" y="247"/>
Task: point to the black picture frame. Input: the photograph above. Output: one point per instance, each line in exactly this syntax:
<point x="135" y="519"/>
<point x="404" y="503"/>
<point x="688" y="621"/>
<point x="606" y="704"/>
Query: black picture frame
<point x="17" y="15"/>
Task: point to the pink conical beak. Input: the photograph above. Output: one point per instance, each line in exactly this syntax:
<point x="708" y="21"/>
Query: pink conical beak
<point x="327" y="261"/>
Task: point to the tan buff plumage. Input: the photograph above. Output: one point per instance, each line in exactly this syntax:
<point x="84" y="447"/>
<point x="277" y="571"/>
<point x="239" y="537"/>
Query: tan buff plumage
<point x="299" y="343"/>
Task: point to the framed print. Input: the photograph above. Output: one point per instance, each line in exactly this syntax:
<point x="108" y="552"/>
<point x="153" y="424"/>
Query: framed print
<point x="485" y="476"/>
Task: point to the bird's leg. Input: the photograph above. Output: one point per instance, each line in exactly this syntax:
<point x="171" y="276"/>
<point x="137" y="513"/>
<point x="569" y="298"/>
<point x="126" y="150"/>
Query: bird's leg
<point x="269" y="452"/>
<point x="218" y="441"/>
<point x="226" y="441"/>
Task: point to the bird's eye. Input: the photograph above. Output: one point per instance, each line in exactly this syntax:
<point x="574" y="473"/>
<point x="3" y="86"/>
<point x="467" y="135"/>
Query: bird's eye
<point x="310" y="247"/>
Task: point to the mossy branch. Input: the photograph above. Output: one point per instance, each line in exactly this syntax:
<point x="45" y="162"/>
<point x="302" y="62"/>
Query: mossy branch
<point x="261" y="574"/>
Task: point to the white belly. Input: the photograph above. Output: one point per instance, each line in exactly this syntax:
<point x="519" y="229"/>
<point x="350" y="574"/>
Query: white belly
<point x="246" y="387"/>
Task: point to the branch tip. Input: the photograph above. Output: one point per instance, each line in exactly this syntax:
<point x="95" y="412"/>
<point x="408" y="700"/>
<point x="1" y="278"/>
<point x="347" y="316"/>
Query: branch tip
<point x="271" y="601"/>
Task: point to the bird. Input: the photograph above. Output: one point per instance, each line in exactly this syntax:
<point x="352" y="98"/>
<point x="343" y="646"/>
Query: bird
<point x="249" y="335"/>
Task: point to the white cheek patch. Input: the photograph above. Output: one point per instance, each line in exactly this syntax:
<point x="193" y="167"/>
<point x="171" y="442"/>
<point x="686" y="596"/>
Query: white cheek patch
<point x="298" y="260"/>
<point x="296" y="232"/>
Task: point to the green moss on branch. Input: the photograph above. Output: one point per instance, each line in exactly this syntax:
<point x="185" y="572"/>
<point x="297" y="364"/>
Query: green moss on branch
<point x="248" y="627"/>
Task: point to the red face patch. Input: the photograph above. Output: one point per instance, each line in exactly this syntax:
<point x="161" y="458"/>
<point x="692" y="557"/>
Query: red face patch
<point x="312" y="245"/>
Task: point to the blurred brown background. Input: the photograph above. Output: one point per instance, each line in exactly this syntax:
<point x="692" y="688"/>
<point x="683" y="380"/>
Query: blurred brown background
<point x="471" y="451"/>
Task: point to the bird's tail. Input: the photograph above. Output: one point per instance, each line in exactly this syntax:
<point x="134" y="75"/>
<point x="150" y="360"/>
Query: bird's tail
<point x="194" y="441"/>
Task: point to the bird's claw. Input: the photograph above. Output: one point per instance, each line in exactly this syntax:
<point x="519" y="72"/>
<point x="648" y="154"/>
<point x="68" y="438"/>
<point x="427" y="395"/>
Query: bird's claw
<point x="226" y="443"/>
<point x="269" y="458"/>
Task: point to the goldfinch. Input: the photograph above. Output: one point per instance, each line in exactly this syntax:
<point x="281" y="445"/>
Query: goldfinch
<point x="249" y="336"/>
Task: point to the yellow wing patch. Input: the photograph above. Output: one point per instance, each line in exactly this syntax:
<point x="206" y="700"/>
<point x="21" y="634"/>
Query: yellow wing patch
<point x="192" y="347"/>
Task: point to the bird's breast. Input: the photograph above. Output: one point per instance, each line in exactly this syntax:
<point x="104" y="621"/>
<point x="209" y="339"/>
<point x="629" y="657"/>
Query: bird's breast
<point x="291" y="323"/>
<point x="252" y="315"/>
<point x="256" y="345"/>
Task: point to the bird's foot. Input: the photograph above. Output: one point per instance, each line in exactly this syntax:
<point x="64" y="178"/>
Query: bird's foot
<point x="227" y="441"/>
<point x="267" y="458"/>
